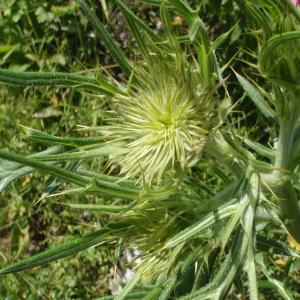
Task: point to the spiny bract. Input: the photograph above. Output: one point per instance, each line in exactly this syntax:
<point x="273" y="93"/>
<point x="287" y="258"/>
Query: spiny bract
<point x="163" y="119"/>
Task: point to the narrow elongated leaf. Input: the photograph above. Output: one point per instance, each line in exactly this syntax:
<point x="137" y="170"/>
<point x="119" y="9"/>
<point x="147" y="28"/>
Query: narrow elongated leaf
<point x="274" y="247"/>
<point x="47" y="168"/>
<point x="136" y="20"/>
<point x="184" y="9"/>
<point x="292" y="7"/>
<point x="152" y="2"/>
<point x="275" y="283"/>
<point x="222" y="281"/>
<point x="229" y="227"/>
<point x="261" y="149"/>
<point x="195" y="254"/>
<point x="211" y="219"/>
<point x="130" y="284"/>
<point x="83" y="154"/>
<point x="221" y="39"/>
<point x="54" y="183"/>
<point x="56" y="78"/>
<point x="10" y="170"/>
<point x="6" y="165"/>
<point x="111" y="45"/>
<point x="39" y="136"/>
<point x="135" y="295"/>
<point x="257" y="98"/>
<point x="97" y="207"/>
<point x="167" y="289"/>
<point x="60" y="251"/>
<point x="153" y="295"/>
<point x="272" y="44"/>
<point x="251" y="270"/>
<point x="131" y="21"/>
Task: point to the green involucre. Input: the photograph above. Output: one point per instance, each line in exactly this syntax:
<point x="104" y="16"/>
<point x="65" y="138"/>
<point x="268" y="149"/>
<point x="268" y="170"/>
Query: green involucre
<point x="164" y="120"/>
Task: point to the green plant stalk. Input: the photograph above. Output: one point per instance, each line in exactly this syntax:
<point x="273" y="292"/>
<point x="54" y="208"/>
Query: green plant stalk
<point x="281" y="183"/>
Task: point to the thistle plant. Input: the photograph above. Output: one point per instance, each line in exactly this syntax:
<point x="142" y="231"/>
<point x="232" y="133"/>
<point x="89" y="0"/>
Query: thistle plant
<point x="163" y="120"/>
<point x="169" y="120"/>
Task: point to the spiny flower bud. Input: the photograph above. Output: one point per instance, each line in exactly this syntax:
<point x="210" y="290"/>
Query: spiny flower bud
<point x="164" y="121"/>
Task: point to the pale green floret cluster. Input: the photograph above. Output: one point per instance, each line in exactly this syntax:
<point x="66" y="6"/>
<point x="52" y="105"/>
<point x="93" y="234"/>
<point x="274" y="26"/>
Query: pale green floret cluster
<point x="164" y="121"/>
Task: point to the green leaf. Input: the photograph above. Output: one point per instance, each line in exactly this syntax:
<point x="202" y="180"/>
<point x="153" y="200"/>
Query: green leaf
<point x="153" y="295"/>
<point x="111" y="45"/>
<point x="261" y="149"/>
<point x="211" y="219"/>
<point x="132" y="23"/>
<point x="54" y="183"/>
<point x="221" y="39"/>
<point x="82" y="154"/>
<point x="274" y="247"/>
<point x="97" y="207"/>
<point x="292" y="7"/>
<point x="57" y="78"/>
<point x="275" y="283"/>
<point x="10" y="170"/>
<point x="167" y="288"/>
<point x="272" y="44"/>
<point x="251" y="270"/>
<point x="152" y="2"/>
<point x="128" y="14"/>
<point x="60" y="251"/>
<point x="184" y="10"/>
<point x="130" y="284"/>
<point x="46" y="168"/>
<point x="224" y="278"/>
<point x="229" y="227"/>
<point x="41" y="137"/>
<point x="135" y="295"/>
<point x="257" y="98"/>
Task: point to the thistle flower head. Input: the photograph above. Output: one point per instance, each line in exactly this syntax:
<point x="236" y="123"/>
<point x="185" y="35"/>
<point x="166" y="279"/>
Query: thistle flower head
<point x="164" y="120"/>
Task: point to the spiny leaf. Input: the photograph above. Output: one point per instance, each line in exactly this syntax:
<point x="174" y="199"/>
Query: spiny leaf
<point x="169" y="285"/>
<point x="261" y="149"/>
<point x="10" y="170"/>
<point x="56" y="78"/>
<point x="251" y="270"/>
<point x="60" y="251"/>
<point x="272" y="44"/>
<point x="132" y="23"/>
<point x="257" y="98"/>
<point x="211" y="219"/>
<point x="54" y="183"/>
<point x="184" y="9"/>
<point x="47" y="168"/>
<point x="130" y="284"/>
<point x="274" y="247"/>
<point x="153" y="295"/>
<point x="276" y="284"/>
<point x="292" y="7"/>
<point x="111" y="45"/>
<point x="136" y="20"/>
<point x="223" y="280"/>
<point x="39" y="136"/>
<point x="97" y="207"/>
<point x="83" y="154"/>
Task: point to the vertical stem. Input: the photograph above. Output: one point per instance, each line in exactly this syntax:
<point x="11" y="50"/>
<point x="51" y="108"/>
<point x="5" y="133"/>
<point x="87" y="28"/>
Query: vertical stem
<point x="281" y="182"/>
<point x="285" y="142"/>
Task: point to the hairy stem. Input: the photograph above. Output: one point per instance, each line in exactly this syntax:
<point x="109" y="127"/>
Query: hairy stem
<point x="281" y="183"/>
